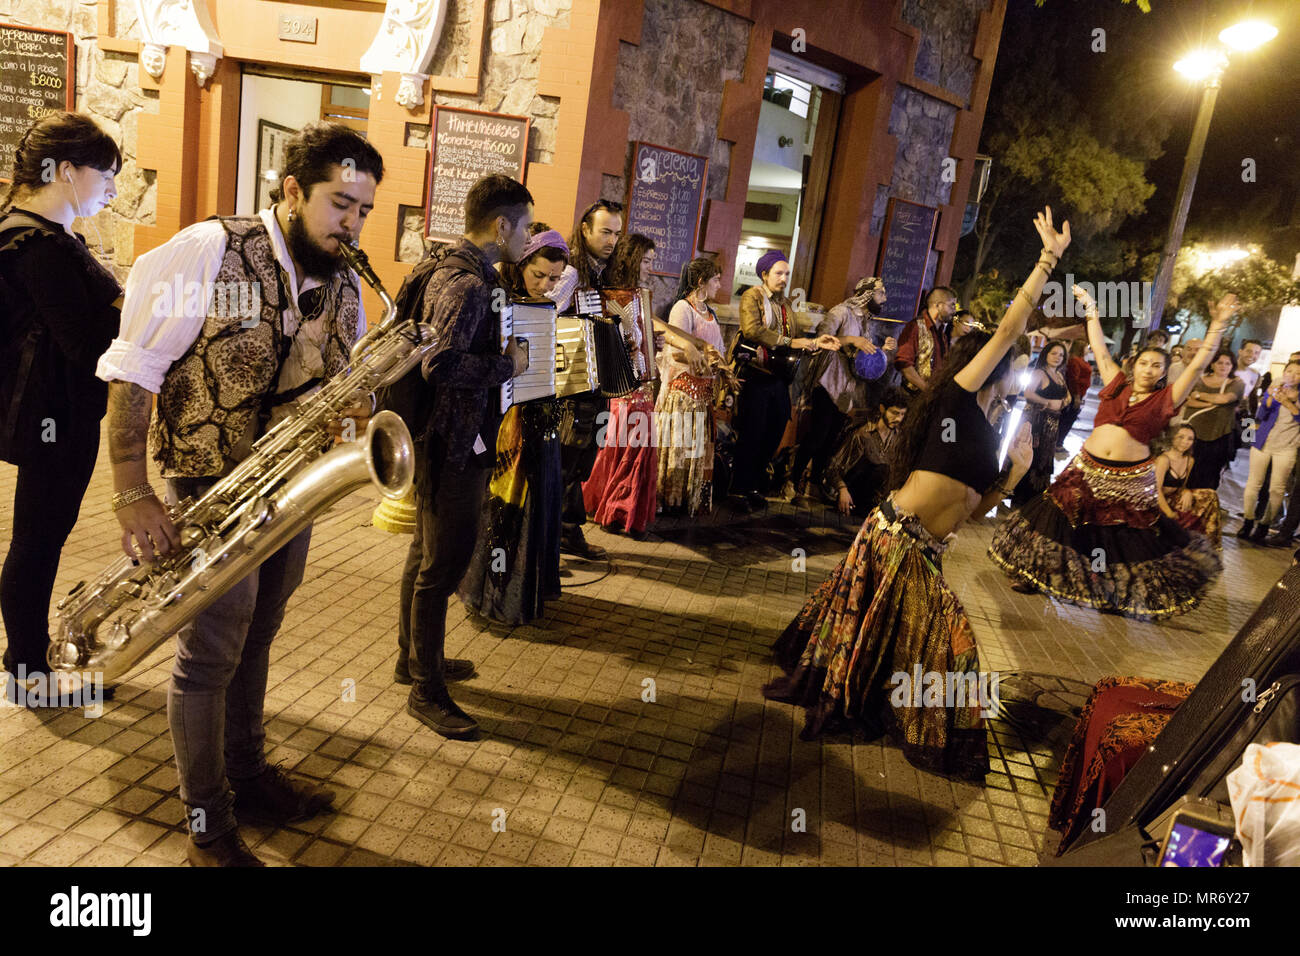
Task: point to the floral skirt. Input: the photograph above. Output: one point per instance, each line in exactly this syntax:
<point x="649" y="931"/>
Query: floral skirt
<point x="1097" y="538"/>
<point x="686" y="439"/>
<point x="1122" y="717"/>
<point x="1201" y="514"/>
<point x="878" y="628"/>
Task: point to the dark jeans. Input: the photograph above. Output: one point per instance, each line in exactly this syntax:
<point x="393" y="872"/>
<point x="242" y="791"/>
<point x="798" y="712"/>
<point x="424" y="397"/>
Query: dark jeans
<point x="825" y="422"/>
<point x="446" y="531"/>
<point x="47" y="498"/>
<point x="218" y="692"/>
<point x="763" y="413"/>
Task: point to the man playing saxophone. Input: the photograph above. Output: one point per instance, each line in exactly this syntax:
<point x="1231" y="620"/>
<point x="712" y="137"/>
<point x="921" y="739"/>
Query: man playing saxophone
<point x="230" y="323"/>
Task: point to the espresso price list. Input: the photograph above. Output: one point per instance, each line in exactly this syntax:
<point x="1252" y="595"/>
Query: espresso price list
<point x="35" y="80"/>
<point x="665" y="203"/>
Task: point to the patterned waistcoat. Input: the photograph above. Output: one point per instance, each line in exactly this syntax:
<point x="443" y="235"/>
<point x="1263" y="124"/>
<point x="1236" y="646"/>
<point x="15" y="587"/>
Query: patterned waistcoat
<point x="211" y="393"/>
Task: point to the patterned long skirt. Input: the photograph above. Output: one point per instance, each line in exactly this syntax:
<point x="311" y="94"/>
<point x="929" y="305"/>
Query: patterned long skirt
<point x="1201" y="513"/>
<point x="1122" y="717"/>
<point x="881" y="628"/>
<point x="686" y="437"/>
<point x="516" y="563"/>
<point x="1097" y="538"/>
<point x="621" y="489"/>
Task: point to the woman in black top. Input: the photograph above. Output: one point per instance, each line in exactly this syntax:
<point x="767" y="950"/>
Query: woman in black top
<point x="884" y="645"/>
<point x="60" y="312"/>
<point x="1046" y="397"/>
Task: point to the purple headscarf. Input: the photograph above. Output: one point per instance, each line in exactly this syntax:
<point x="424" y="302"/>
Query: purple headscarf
<point x="543" y="239"/>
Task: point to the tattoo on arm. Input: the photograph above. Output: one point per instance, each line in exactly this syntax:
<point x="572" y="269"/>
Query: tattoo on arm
<point x="129" y="406"/>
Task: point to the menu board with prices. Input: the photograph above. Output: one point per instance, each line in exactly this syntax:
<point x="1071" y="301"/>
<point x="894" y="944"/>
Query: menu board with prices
<point x="467" y="145"/>
<point x="37" y="77"/>
<point x="665" y="200"/>
<point x="904" y="252"/>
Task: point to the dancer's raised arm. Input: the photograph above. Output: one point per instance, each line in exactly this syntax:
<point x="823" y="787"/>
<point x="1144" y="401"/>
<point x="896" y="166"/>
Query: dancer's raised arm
<point x="1221" y="314"/>
<point x="1107" y="367"/>
<point x="1013" y="323"/>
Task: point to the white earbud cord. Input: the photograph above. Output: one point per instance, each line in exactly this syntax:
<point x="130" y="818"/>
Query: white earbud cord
<point x="77" y="214"/>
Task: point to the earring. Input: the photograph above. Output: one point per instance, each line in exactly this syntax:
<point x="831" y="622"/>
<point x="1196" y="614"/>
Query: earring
<point x="292" y="215"/>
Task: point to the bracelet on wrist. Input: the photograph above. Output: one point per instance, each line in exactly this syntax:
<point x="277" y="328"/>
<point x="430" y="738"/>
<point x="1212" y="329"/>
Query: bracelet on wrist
<point x="1028" y="298"/>
<point x="132" y="495"/>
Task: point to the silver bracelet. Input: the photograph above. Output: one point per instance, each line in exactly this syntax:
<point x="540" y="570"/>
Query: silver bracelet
<point x="132" y="495"/>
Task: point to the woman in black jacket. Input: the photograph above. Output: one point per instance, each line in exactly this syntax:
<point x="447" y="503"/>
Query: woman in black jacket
<point x="59" y="314"/>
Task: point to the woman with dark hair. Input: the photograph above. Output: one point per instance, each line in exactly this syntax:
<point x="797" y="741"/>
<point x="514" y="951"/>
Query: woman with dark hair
<point x="1097" y="537"/>
<point x="1046" y="396"/>
<point x="516" y="563"/>
<point x="685" y="406"/>
<point x="856" y="654"/>
<point x="61" y="309"/>
<point x="620" y="494"/>
<point x="1212" y="413"/>
<point x="1196" y="509"/>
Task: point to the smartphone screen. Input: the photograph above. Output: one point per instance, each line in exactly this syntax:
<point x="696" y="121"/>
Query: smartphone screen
<point x="1190" y="846"/>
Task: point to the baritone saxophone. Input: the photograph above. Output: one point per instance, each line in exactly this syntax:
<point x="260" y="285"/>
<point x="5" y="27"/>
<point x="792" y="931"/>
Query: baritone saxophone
<point x="287" y="480"/>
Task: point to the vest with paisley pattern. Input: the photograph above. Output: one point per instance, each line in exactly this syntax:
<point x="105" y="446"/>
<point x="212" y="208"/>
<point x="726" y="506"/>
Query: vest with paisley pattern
<point x="211" y="393"/>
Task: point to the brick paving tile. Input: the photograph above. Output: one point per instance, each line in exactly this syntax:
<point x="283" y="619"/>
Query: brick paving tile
<point x="579" y="767"/>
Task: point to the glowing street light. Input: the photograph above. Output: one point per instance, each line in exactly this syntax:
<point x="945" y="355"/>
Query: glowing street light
<point x="1206" y="67"/>
<point x="1247" y="35"/>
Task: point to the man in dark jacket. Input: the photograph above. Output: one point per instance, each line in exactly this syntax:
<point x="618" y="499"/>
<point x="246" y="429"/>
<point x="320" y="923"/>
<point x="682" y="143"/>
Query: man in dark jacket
<point x="461" y="301"/>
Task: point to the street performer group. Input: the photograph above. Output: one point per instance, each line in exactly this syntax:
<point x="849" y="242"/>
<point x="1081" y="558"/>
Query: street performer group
<point x="906" y="436"/>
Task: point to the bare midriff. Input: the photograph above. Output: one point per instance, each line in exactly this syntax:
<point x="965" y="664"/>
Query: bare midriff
<point x="939" y="502"/>
<point x="1113" y="443"/>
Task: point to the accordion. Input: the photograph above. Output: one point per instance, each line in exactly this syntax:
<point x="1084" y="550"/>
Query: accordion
<point x="532" y="320"/>
<point x="617" y="331"/>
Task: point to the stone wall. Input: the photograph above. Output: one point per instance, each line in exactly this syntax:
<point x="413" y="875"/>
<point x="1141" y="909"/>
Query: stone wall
<point x="108" y="90"/>
<point x="922" y="124"/>
<point x="670" y="85"/>
<point x="947" y="31"/>
<point x="508" y="84"/>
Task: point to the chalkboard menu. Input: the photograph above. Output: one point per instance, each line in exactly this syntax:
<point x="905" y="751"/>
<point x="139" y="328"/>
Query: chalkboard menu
<point x="36" y="77"/>
<point x="467" y="145"/>
<point x="664" y="202"/>
<point x="904" y="250"/>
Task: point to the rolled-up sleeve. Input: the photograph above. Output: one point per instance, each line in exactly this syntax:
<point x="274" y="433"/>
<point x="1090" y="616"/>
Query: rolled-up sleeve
<point x="165" y="305"/>
<point x="562" y="294"/>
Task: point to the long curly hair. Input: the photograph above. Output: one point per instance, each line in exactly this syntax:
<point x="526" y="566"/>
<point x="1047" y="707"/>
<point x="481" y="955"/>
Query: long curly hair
<point x="624" y="270"/>
<point x="920" y="414"/>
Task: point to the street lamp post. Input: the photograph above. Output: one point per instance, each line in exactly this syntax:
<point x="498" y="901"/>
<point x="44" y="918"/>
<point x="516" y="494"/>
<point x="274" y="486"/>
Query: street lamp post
<point x="1207" y="66"/>
<point x="1183" y="201"/>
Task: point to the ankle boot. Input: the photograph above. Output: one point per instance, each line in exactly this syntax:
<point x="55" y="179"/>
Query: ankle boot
<point x="1247" y="527"/>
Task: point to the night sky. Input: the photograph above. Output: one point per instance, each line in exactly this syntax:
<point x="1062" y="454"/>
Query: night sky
<point x="1255" y="116"/>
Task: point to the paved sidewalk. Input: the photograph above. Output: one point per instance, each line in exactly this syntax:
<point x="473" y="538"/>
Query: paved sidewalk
<point x="580" y="767"/>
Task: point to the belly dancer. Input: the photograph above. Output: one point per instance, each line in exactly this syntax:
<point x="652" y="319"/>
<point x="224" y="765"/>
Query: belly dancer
<point x="1097" y="536"/>
<point x="886" y="618"/>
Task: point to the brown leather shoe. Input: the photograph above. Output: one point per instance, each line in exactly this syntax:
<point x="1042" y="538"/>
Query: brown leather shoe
<point x="228" y="850"/>
<point x="275" y="797"/>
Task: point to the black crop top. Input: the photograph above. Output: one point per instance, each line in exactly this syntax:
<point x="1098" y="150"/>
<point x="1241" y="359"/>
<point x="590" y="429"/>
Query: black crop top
<point x="961" y="444"/>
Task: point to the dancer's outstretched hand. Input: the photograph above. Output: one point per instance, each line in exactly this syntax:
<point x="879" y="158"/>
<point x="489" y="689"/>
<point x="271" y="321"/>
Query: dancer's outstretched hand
<point x="1053" y="241"/>
<point x="1221" y="312"/>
